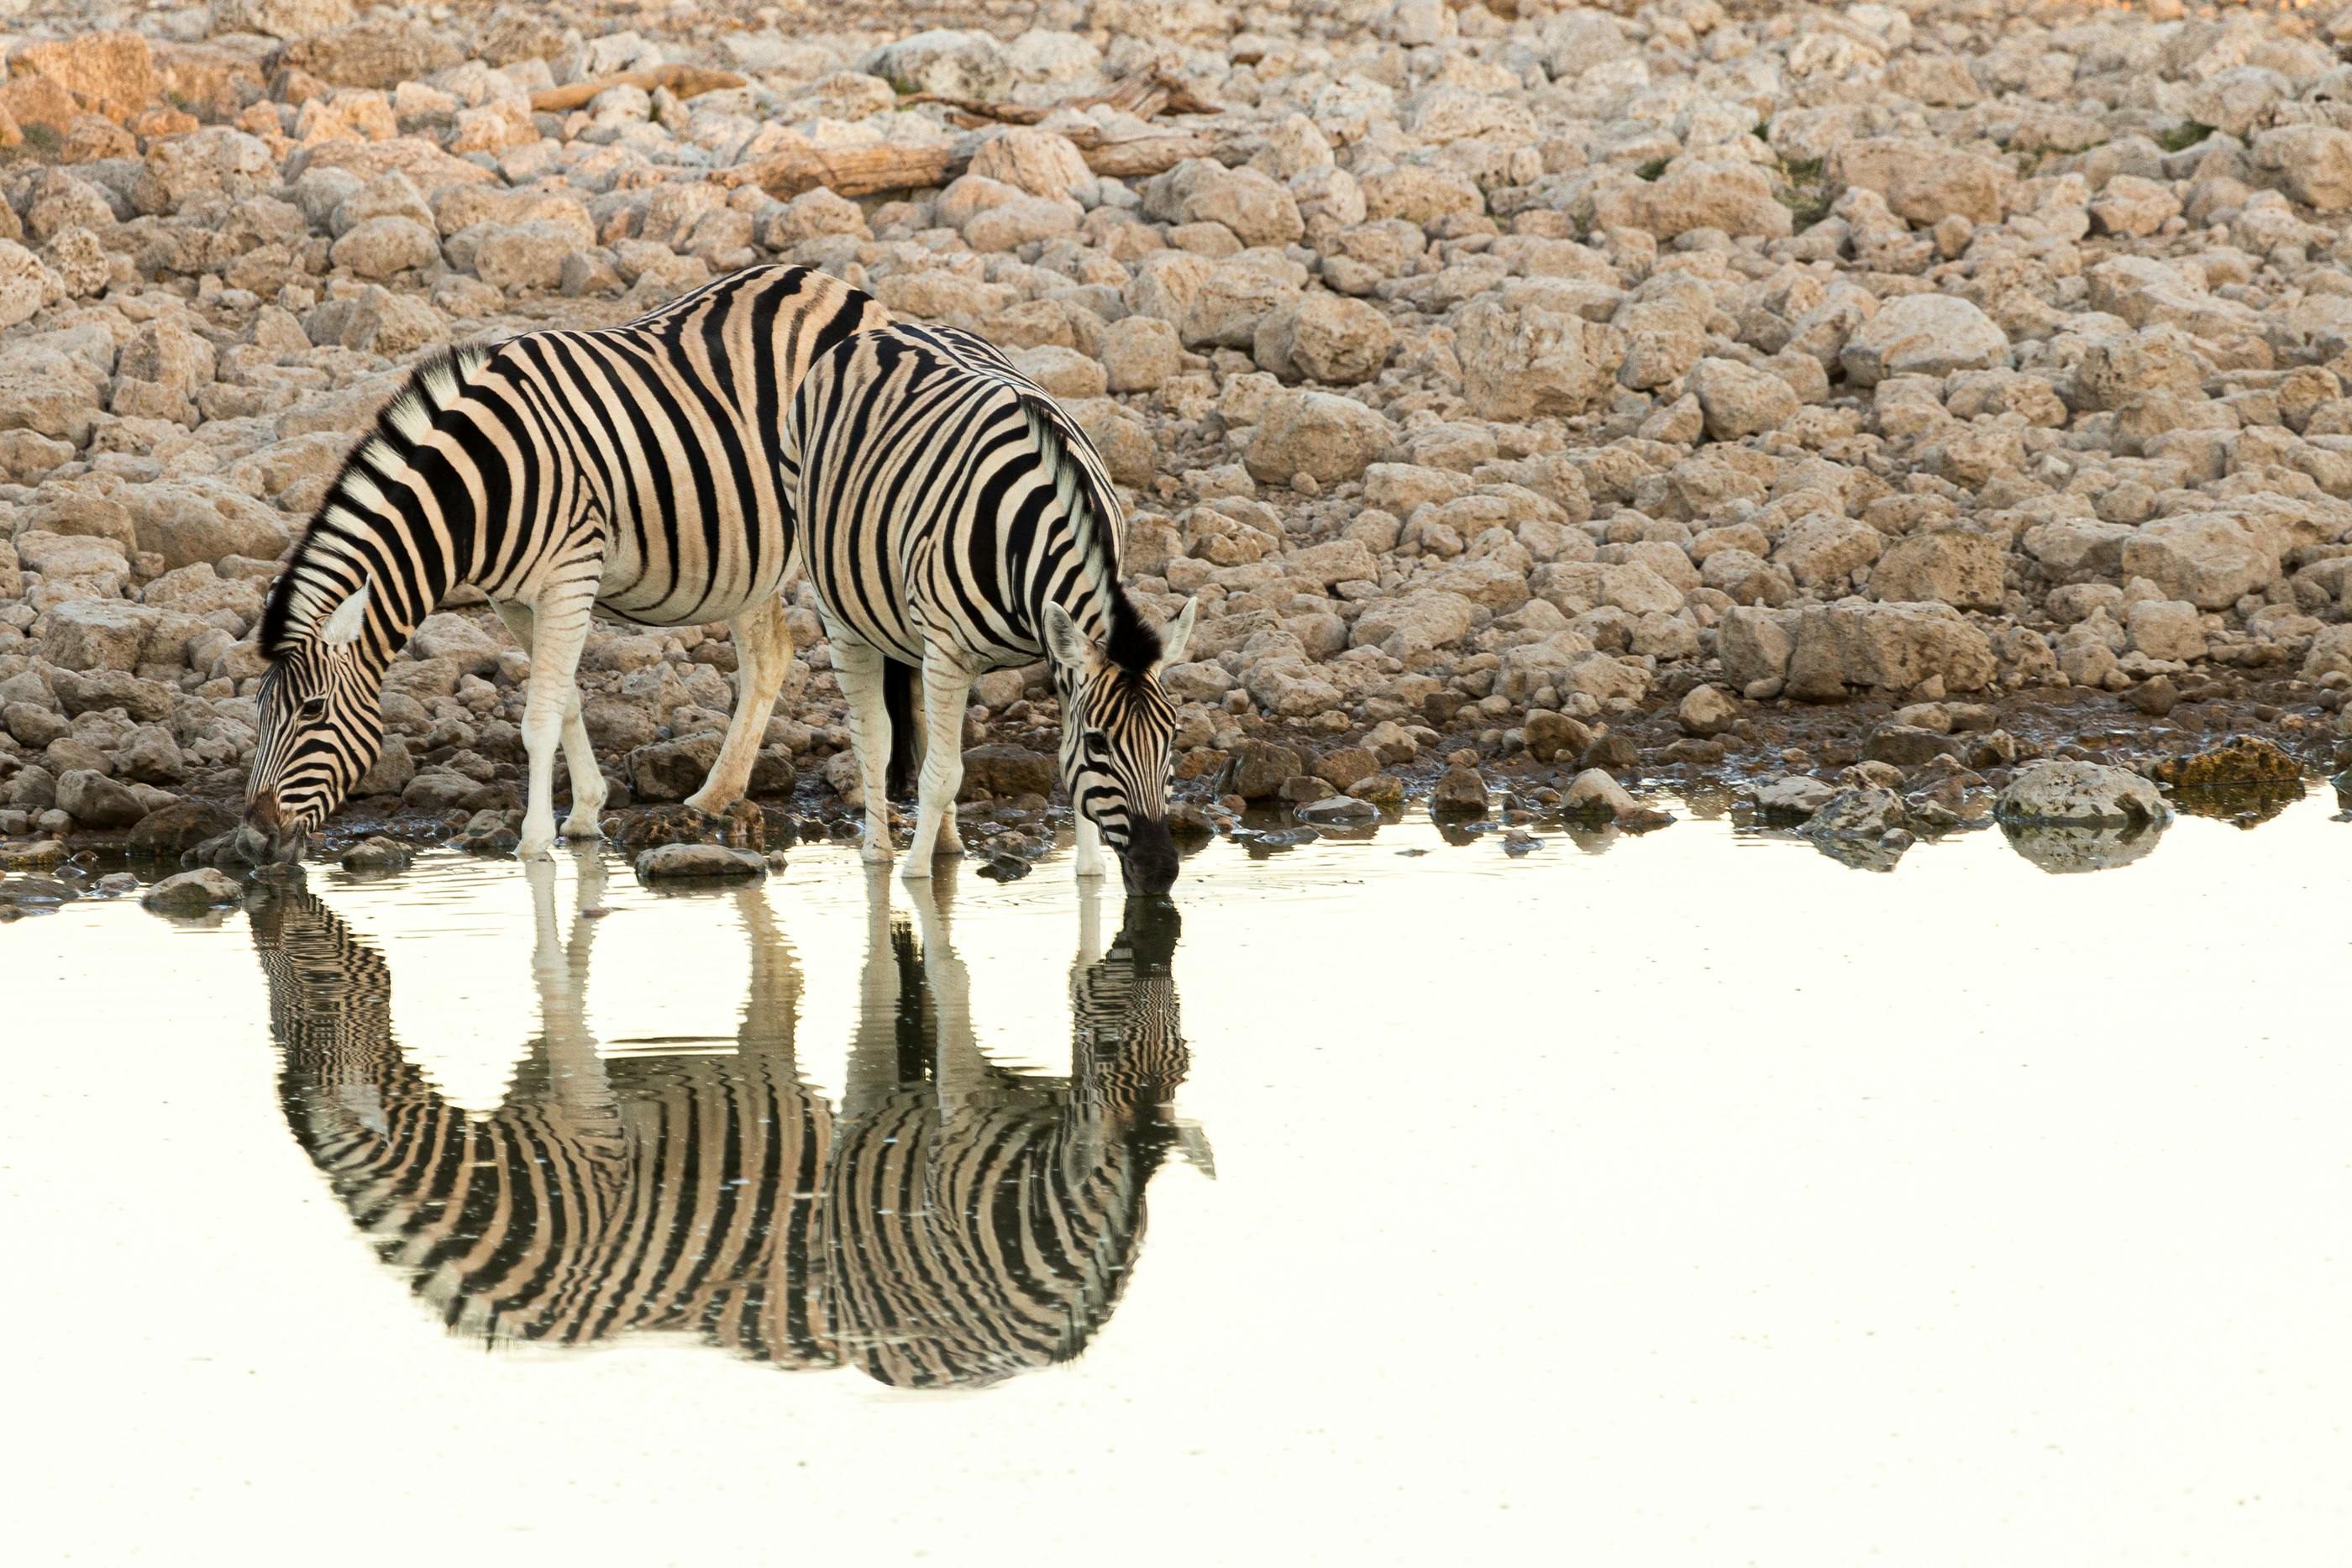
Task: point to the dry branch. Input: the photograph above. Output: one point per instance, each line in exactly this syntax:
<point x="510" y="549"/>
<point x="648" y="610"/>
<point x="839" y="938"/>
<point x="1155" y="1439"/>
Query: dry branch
<point x="685" y="82"/>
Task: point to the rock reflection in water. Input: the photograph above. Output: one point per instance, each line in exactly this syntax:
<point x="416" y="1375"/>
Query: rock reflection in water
<point x="954" y="1223"/>
<point x="2065" y="851"/>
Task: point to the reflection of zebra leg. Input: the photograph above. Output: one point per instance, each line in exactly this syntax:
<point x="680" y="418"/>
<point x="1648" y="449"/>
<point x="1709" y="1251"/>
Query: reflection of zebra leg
<point x="772" y="1007"/>
<point x="883" y="993"/>
<point x="575" y="1068"/>
<point x="960" y="1072"/>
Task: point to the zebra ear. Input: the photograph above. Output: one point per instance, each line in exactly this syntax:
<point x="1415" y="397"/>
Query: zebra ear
<point x="342" y="628"/>
<point x="1177" y="635"/>
<point x="1064" y="641"/>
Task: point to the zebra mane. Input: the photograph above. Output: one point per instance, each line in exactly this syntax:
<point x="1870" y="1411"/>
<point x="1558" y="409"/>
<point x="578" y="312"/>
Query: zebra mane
<point x="320" y="572"/>
<point x="1131" y="642"/>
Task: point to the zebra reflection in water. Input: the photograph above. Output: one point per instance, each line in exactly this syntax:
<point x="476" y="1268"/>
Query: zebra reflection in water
<point x="954" y="1224"/>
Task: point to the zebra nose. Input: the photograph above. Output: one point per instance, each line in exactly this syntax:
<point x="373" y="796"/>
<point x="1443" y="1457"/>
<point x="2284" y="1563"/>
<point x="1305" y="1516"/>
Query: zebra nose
<point x="1148" y="864"/>
<point x="262" y="815"/>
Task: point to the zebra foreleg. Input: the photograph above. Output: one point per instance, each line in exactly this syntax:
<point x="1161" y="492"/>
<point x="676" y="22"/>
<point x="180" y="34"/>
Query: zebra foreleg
<point x="947" y="687"/>
<point x="588" y="790"/>
<point x="560" y="630"/>
<point x="858" y="666"/>
<point x="1091" y="855"/>
<point x="763" y="648"/>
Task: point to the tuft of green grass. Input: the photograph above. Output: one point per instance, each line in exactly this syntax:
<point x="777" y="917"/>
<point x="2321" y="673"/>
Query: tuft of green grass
<point x="2183" y="136"/>
<point x="1653" y="168"/>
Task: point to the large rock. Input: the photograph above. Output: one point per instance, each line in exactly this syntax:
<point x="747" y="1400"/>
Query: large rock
<point x="700" y="863"/>
<point x="1735" y="197"/>
<point x="1415" y="623"/>
<point x="1739" y="401"/>
<point x="1922" y="180"/>
<point x="382" y="51"/>
<point x="1923" y="335"/>
<point x="380" y="247"/>
<point x="1822" y="653"/>
<point x="1325" y="337"/>
<point x="949" y="63"/>
<point x="2312" y="163"/>
<point x="2080" y="794"/>
<point x="281" y="19"/>
<point x="1321" y="436"/>
<point x="25" y="285"/>
<point x="111" y="73"/>
<point x="672" y="770"/>
<point x="174" y="829"/>
<point x="1001" y="772"/>
<point x="194" y="893"/>
<point x="95" y="634"/>
<point x="2208" y="559"/>
<point x="94" y="800"/>
<point x="1517" y="364"/>
<point x="202" y="520"/>
<point x="1943" y="566"/>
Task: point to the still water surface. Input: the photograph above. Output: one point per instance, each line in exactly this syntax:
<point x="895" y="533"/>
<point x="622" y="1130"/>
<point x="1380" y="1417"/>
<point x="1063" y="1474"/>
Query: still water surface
<point x="1692" y="1198"/>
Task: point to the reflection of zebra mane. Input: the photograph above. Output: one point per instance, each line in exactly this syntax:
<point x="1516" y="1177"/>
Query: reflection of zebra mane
<point x="958" y="1223"/>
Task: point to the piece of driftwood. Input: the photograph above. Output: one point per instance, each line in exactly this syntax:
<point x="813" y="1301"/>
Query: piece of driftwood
<point x="685" y="82"/>
<point x="1145" y="94"/>
<point x="907" y="166"/>
<point x="849" y="170"/>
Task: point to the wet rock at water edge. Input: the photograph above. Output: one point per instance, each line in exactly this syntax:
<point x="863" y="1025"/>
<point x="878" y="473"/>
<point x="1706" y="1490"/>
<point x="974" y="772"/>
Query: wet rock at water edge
<point x="1593" y="796"/>
<point x="1518" y="842"/>
<point x="33" y="856"/>
<point x="2080" y="794"/>
<point x="378" y="854"/>
<point x="114" y="884"/>
<point x="194" y="893"/>
<point x="176" y="829"/>
<point x="1460" y="793"/>
<point x="36" y="892"/>
<point x="1004" y="867"/>
<point x="1258" y="768"/>
<point x="2241" y="759"/>
<point x="1790" y="797"/>
<point x="704" y="862"/>
<point x="1338" y="811"/>
<point x="742" y="826"/>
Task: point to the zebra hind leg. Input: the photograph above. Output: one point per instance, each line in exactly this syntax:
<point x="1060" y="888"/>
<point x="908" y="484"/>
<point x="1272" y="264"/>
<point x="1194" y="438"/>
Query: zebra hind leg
<point x="947" y="687"/>
<point x="763" y="647"/>
<point x="858" y="667"/>
<point x="588" y="788"/>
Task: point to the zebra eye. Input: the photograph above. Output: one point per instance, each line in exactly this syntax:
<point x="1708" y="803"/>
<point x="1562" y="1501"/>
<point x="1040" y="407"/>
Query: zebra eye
<point x="314" y="707"/>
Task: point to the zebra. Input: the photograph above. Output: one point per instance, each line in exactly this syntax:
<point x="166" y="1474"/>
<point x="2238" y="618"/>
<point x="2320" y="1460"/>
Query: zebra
<point x="717" y="1193"/>
<point x="955" y="520"/>
<point x="629" y="470"/>
<point x="985" y="1222"/>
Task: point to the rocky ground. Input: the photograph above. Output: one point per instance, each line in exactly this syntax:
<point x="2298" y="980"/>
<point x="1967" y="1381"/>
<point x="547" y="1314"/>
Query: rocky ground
<point x="1783" y="404"/>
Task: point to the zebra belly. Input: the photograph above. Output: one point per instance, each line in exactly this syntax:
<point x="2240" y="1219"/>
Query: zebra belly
<point x="634" y="591"/>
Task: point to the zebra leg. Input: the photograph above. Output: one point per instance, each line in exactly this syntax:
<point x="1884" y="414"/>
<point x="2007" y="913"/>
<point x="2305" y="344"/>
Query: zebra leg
<point x="764" y="646"/>
<point x="947" y="687"/>
<point x="560" y="630"/>
<point x="858" y="666"/>
<point x="1091" y="855"/>
<point x="588" y="790"/>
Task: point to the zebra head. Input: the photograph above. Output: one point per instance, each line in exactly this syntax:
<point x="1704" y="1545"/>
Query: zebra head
<point x="1118" y="726"/>
<point x="322" y="726"/>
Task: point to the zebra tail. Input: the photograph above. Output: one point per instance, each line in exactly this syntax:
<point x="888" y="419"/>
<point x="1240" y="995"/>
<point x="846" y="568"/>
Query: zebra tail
<point x="898" y="703"/>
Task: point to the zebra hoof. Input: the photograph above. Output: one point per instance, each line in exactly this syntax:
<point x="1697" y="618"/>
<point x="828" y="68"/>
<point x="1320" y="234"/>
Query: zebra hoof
<point x="582" y="827"/>
<point x="918" y="869"/>
<point x="875" y="855"/>
<point x="536" y="847"/>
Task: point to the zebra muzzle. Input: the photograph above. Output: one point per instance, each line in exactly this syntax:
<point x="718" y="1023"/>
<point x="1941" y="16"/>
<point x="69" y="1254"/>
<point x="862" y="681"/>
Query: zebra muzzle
<point x="1146" y="861"/>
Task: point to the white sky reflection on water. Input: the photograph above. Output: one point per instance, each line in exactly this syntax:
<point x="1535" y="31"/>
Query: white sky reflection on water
<point x="1702" y="1201"/>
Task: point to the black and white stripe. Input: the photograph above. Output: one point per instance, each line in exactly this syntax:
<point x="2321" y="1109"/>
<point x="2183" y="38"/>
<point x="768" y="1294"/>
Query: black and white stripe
<point x="629" y="471"/>
<point x="955" y="520"/>
<point x="955" y="1223"/>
